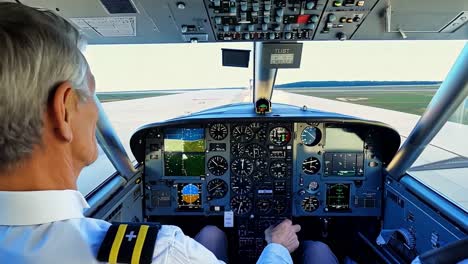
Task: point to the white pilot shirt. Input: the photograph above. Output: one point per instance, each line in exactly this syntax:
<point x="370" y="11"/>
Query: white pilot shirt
<point x="49" y="227"/>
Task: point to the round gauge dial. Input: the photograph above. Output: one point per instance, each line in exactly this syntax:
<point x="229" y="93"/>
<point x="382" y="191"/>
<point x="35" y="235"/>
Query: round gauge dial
<point x="217" y="188"/>
<point x="217" y="165"/>
<point x="242" y="133"/>
<point x="218" y="131"/>
<point x="261" y="164"/>
<point x="311" y="136"/>
<point x="279" y="206"/>
<point x="188" y="195"/>
<point x="278" y="169"/>
<point x="241" y="205"/>
<point x="280" y="136"/>
<point x="313" y="186"/>
<point x="242" y="167"/>
<point x="255" y="126"/>
<point x="255" y="151"/>
<point x="260" y="176"/>
<point x="310" y="204"/>
<point x="311" y="165"/>
<point x="261" y="134"/>
<point x="237" y="149"/>
<point x="263" y="206"/>
<point x="241" y="185"/>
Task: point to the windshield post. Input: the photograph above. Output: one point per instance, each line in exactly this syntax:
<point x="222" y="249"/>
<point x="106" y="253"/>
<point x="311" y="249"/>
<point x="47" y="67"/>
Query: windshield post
<point x="111" y="144"/>
<point x="445" y="102"/>
<point x="264" y="77"/>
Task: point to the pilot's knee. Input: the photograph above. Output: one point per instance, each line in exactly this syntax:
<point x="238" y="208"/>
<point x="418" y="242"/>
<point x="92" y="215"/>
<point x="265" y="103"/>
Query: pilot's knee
<point x="315" y="246"/>
<point x="213" y="231"/>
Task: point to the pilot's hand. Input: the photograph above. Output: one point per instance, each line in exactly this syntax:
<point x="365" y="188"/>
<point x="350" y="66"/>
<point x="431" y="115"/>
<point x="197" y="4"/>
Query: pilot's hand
<point x="284" y="234"/>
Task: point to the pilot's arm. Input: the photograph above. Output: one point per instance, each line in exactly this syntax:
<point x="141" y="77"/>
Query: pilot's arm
<point x="282" y="240"/>
<point x="181" y="249"/>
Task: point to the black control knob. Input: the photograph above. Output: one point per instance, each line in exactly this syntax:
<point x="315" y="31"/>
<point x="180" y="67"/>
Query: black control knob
<point x="342" y="36"/>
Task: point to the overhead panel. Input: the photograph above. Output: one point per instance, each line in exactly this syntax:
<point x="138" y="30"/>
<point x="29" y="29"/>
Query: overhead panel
<point x="181" y="21"/>
<point x="109" y="26"/>
<point x="342" y="18"/>
<point x="119" y="6"/>
<point x="247" y="20"/>
<point x="417" y="19"/>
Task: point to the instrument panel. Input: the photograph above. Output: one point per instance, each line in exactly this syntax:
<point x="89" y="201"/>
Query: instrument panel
<point x="263" y="169"/>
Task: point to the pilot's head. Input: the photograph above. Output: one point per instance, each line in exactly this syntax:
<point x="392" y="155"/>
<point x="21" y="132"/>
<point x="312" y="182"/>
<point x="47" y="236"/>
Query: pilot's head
<point x="47" y="111"/>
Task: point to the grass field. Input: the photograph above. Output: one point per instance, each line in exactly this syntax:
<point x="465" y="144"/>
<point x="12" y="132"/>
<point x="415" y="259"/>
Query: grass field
<point x="112" y="97"/>
<point x="408" y="102"/>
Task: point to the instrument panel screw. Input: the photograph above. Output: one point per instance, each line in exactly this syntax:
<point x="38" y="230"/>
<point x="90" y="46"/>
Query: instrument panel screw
<point x="181" y="5"/>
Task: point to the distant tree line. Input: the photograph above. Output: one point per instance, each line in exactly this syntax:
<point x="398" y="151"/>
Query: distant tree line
<point x="322" y="84"/>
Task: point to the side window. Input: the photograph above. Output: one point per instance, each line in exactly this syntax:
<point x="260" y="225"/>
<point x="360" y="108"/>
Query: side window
<point x="96" y="173"/>
<point x="443" y="166"/>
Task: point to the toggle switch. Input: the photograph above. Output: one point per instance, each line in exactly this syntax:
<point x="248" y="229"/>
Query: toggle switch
<point x="310" y="5"/>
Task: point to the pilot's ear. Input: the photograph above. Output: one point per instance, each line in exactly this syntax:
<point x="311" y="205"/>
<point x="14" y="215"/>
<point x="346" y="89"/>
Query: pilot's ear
<point x="62" y="105"/>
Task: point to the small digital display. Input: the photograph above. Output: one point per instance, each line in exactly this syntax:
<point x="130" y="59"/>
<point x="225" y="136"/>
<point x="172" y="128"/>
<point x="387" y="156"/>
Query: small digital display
<point x="338" y="197"/>
<point x="340" y="139"/>
<point x="184" y="152"/>
<point x="344" y="164"/>
<point x="189" y="196"/>
<point x="218" y="147"/>
<point x="281" y="59"/>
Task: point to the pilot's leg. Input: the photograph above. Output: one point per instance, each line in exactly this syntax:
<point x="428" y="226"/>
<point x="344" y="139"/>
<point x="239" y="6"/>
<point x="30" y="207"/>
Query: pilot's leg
<point x="316" y="252"/>
<point x="215" y="240"/>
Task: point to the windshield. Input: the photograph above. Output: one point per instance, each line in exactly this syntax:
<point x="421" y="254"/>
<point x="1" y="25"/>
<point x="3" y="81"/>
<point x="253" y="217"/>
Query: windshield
<point x="387" y="81"/>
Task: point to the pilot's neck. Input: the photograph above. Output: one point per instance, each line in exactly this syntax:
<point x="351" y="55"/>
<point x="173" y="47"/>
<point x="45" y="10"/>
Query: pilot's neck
<point x="41" y="171"/>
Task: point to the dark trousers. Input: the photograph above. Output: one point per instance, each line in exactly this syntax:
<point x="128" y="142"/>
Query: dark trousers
<point x="214" y="239"/>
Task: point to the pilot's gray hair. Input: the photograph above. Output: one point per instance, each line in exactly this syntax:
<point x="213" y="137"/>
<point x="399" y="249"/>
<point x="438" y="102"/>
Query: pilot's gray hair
<point x="39" y="50"/>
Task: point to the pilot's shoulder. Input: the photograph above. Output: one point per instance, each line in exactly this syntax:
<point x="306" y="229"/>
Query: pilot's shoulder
<point x="129" y="243"/>
<point x="170" y="230"/>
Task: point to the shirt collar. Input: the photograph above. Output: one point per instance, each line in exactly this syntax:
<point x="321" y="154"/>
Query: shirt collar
<point x="40" y="207"/>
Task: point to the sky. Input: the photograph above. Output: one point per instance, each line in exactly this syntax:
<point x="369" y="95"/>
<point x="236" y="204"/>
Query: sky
<point x="195" y="66"/>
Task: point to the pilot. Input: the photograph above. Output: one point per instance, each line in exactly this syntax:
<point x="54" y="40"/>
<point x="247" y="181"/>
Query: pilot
<point x="47" y="136"/>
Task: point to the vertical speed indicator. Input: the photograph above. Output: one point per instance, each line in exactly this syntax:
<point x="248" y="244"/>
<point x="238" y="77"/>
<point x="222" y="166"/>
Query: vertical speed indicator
<point x="311" y="136"/>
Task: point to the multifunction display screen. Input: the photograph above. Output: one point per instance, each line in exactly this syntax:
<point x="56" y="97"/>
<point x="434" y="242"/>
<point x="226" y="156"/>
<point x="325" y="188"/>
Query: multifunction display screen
<point x="344" y="164"/>
<point x="338" y="197"/>
<point x="184" y="152"/>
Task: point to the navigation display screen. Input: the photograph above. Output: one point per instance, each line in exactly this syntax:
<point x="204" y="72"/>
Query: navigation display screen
<point x="344" y="164"/>
<point x="338" y="197"/>
<point x="184" y="152"/>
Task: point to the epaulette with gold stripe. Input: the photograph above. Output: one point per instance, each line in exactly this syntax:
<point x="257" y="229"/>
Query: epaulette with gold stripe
<point x="131" y="243"/>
